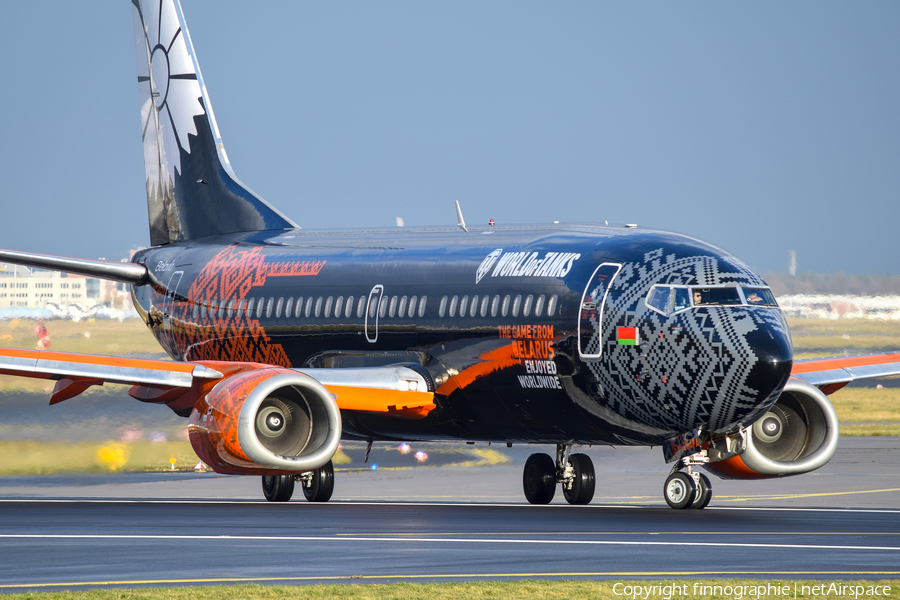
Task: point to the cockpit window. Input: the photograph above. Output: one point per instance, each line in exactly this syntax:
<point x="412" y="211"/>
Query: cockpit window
<point x="759" y="297"/>
<point x="682" y="299"/>
<point x="724" y="296"/>
<point x="658" y="298"/>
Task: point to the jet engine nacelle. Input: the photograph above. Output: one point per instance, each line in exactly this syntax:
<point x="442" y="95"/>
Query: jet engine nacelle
<point x="797" y="435"/>
<point x="268" y="421"/>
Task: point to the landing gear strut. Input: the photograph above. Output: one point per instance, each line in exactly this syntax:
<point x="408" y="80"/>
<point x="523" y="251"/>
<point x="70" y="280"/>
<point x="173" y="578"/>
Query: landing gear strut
<point x="317" y="485"/>
<point x="686" y="487"/>
<point x="574" y="472"/>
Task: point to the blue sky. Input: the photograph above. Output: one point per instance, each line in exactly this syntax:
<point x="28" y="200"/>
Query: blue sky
<point x="762" y="127"/>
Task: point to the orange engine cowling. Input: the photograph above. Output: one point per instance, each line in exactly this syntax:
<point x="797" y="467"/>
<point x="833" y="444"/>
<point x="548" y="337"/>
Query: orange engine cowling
<point x="269" y="421"/>
<point x="797" y="435"/>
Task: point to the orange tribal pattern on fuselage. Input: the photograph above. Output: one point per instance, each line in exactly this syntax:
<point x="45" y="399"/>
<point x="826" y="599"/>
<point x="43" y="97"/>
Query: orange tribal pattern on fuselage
<point x="225" y="284"/>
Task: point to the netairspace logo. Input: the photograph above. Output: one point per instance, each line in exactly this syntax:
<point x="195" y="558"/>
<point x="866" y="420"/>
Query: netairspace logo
<point x="670" y="591"/>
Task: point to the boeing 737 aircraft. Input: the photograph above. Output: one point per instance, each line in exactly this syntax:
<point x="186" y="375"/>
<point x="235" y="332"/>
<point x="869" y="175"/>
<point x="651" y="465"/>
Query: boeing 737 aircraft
<point x="285" y="340"/>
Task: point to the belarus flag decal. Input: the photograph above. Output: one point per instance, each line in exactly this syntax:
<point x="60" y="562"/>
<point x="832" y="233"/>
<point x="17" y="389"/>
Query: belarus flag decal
<point x="627" y="336"/>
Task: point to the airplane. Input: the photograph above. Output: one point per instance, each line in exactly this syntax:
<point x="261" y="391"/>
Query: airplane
<point x="284" y="341"/>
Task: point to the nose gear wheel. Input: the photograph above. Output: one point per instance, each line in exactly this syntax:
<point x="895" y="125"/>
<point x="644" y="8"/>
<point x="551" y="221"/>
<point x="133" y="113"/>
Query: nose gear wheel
<point x="679" y="490"/>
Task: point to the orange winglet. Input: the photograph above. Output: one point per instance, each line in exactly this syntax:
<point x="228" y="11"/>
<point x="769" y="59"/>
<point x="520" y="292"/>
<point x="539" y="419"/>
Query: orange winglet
<point x="827" y="364"/>
<point x="407" y="404"/>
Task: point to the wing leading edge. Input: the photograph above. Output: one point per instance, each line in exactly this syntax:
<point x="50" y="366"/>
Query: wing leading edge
<point x="399" y="390"/>
<point x="833" y="373"/>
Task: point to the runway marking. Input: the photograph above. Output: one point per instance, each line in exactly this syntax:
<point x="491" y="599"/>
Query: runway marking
<point x="787" y="496"/>
<point x="443" y="576"/>
<point x="460" y="504"/>
<point x="292" y="538"/>
<point x="568" y="533"/>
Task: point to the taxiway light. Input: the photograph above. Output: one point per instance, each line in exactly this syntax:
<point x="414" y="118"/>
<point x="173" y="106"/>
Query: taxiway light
<point x="403" y="448"/>
<point x="421" y="456"/>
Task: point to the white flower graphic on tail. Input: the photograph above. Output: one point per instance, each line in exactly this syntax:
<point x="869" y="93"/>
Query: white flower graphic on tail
<point x="169" y="93"/>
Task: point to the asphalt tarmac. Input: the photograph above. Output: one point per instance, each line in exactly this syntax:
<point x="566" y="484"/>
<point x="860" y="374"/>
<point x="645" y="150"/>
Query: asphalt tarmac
<point x="464" y="520"/>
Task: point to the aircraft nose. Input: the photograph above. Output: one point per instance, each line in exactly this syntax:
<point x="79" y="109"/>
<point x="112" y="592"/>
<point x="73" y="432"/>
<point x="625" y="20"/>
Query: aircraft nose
<point x="775" y="358"/>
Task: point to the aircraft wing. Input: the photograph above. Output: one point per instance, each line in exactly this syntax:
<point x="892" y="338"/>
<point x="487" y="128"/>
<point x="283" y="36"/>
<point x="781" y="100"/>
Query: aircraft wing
<point x="833" y="373"/>
<point x="398" y="389"/>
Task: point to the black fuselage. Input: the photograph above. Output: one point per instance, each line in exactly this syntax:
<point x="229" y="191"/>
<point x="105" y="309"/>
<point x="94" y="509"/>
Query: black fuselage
<point x="560" y="333"/>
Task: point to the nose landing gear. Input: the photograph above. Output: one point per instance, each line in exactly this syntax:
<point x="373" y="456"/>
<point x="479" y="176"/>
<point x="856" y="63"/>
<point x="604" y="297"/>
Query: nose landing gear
<point x="575" y="473"/>
<point x="688" y="488"/>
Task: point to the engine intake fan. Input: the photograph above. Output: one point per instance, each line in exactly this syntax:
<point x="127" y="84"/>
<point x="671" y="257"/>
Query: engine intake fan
<point x="797" y="435"/>
<point x="265" y="422"/>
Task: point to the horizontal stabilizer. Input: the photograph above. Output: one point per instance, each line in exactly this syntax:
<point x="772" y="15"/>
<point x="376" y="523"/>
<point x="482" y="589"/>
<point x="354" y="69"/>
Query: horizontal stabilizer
<point x="102" y="269"/>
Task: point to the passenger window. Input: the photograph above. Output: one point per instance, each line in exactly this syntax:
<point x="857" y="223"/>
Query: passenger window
<point x="682" y="299"/>
<point x="348" y="311"/>
<point x="539" y="306"/>
<point x="221" y="312"/>
<point x="442" y="307"/>
<point x="260" y="305"/>
<point x="203" y="310"/>
<point x="505" y="309"/>
<point x="495" y="306"/>
<point x="382" y="309"/>
<point x="338" y="306"/>
<point x="658" y="298"/>
<point x="270" y="305"/>
<point x="309" y="306"/>
<point x="463" y="305"/>
<point x="551" y="305"/>
<point x="526" y="311"/>
<point x="412" y="307"/>
<point x="393" y="308"/>
<point x="329" y="302"/>
<point x="422" y="302"/>
<point x="453" y="306"/>
<point x="474" y="308"/>
<point x="279" y="307"/>
<point x="517" y="303"/>
<point x="288" y="306"/>
<point x="373" y="309"/>
<point x="196" y="311"/>
<point x="229" y="312"/>
<point x="298" y="308"/>
<point x="485" y="301"/>
<point x="240" y="309"/>
<point x="401" y="310"/>
<point x="318" y="308"/>
<point x="361" y="307"/>
<point x="250" y="308"/>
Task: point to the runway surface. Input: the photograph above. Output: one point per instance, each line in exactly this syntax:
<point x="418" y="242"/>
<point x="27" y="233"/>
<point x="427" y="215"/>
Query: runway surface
<point x="451" y="523"/>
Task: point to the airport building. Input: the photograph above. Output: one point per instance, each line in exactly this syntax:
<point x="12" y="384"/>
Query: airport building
<point x="25" y="288"/>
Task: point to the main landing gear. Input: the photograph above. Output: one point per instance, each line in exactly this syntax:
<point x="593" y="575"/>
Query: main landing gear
<point x="575" y="473"/>
<point x="687" y="488"/>
<point x="317" y="485"/>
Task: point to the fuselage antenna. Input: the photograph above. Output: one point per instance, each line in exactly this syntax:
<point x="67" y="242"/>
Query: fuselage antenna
<point x="459" y="218"/>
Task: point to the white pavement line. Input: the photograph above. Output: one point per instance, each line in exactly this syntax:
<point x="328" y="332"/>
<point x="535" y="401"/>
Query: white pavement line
<point x="460" y="504"/>
<point x="406" y="540"/>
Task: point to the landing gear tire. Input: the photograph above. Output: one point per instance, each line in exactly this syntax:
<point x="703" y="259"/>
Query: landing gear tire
<point x="704" y="493"/>
<point x="539" y="479"/>
<point x="679" y="490"/>
<point x="320" y="487"/>
<point x="278" y="488"/>
<point x="582" y="490"/>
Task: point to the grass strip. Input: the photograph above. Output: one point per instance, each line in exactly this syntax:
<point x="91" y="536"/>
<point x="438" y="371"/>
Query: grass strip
<point x="668" y="589"/>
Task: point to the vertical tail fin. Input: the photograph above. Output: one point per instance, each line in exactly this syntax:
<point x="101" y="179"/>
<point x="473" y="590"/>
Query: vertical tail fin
<point x="192" y="191"/>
